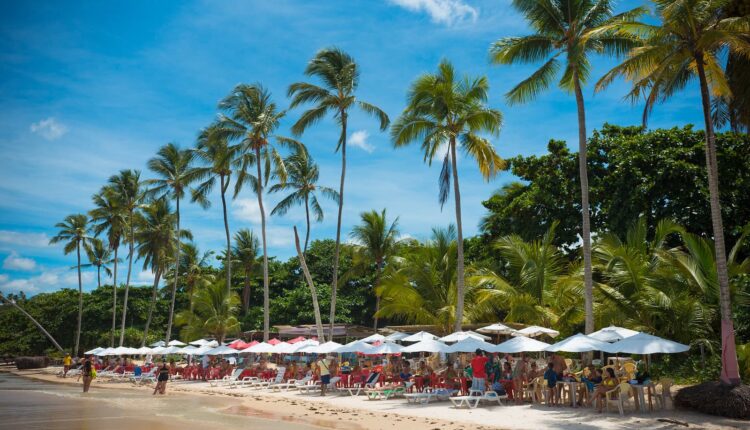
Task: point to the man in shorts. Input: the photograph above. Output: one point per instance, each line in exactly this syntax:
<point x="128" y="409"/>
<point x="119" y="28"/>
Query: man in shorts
<point x="478" y="371"/>
<point x="324" y="371"/>
<point x="67" y="362"/>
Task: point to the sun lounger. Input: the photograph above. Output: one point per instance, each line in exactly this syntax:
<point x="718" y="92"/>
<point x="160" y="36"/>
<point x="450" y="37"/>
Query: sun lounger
<point x="227" y="379"/>
<point x="369" y="384"/>
<point x="149" y="376"/>
<point x="292" y="384"/>
<point x="386" y="393"/>
<point x="316" y="386"/>
<point x="474" y="398"/>
<point x="267" y="384"/>
<point x="429" y="395"/>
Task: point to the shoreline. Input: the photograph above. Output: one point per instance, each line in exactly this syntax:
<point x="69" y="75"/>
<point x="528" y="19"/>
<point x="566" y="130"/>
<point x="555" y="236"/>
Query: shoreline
<point x="338" y="412"/>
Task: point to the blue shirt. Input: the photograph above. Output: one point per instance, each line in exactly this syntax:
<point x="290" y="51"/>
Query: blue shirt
<point x="551" y="377"/>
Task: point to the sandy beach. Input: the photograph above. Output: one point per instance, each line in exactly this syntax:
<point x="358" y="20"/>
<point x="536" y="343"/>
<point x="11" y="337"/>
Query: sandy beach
<point x="346" y="412"/>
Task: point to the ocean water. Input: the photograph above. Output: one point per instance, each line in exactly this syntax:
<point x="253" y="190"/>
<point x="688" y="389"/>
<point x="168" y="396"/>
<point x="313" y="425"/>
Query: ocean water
<point x="27" y="404"/>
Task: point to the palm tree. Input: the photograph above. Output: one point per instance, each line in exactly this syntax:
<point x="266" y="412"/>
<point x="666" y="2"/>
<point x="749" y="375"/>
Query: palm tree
<point x="221" y="160"/>
<point x="215" y="313"/>
<point x="442" y="109"/>
<point x="245" y="256"/>
<point x="156" y="237"/>
<point x="253" y="117"/>
<point x="128" y="192"/>
<point x="692" y="37"/>
<point x="302" y="179"/>
<point x="176" y="173"/>
<point x="100" y="256"/>
<point x="573" y="30"/>
<point x="110" y="217"/>
<point x="194" y="267"/>
<point x="74" y="232"/>
<point x="377" y="241"/>
<point x="340" y="77"/>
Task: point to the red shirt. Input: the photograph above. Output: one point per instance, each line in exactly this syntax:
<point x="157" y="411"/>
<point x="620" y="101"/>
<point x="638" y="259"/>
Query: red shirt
<point x="477" y="366"/>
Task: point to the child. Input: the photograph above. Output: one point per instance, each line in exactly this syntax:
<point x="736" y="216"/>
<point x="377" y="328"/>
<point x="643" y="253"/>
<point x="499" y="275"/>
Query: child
<point x="551" y="376"/>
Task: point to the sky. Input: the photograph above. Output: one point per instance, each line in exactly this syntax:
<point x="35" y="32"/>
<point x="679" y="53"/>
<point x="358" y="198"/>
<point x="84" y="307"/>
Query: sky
<point x="90" y="88"/>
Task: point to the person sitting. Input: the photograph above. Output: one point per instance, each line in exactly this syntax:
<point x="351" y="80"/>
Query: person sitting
<point x="593" y="379"/>
<point x="608" y="383"/>
<point x="506" y="379"/>
<point x="551" y="376"/>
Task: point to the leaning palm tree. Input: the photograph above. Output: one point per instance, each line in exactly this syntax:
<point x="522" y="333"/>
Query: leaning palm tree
<point x="340" y="77"/>
<point x="174" y="167"/>
<point x="692" y="38"/>
<point x="378" y="241"/>
<point x="74" y="232"/>
<point x="253" y="117"/>
<point x="245" y="252"/>
<point x="302" y="179"/>
<point x="110" y="217"/>
<point x="100" y="256"/>
<point x="128" y="189"/>
<point x="215" y="313"/>
<point x="443" y="109"/>
<point x="572" y="30"/>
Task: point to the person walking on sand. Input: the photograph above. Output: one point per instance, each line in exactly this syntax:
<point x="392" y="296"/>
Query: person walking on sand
<point x="161" y="380"/>
<point x="324" y="371"/>
<point x="67" y="361"/>
<point x="478" y="371"/>
<point x="87" y="372"/>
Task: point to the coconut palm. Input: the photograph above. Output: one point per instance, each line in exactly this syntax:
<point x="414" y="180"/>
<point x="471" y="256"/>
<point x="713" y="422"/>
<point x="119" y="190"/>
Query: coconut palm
<point x="445" y="109"/>
<point x="175" y="171"/>
<point x="156" y="237"/>
<point x="194" y="268"/>
<point x="100" y="256"/>
<point x="245" y="253"/>
<point x="74" y="233"/>
<point x="110" y="217"/>
<point x="302" y="179"/>
<point x="573" y="31"/>
<point x="215" y="313"/>
<point x="252" y="117"/>
<point x="692" y="37"/>
<point x="339" y="75"/>
<point x="128" y="193"/>
<point x="377" y="242"/>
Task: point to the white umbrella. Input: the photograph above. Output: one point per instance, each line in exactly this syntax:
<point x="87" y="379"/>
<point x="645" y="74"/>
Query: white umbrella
<point x="387" y="348"/>
<point x="189" y="350"/>
<point x="427" y="345"/>
<point x="396" y="336"/>
<point x="373" y="338"/>
<point x="94" y="351"/>
<point x="324" y="348"/>
<point x="104" y="352"/>
<point x="120" y="350"/>
<point x="159" y="350"/>
<point x="470" y="344"/>
<point x="172" y="350"/>
<point x="520" y="344"/>
<point x="644" y="343"/>
<point x="462" y="335"/>
<point x="202" y="350"/>
<point x="143" y="350"/>
<point x="258" y="348"/>
<point x="159" y="343"/>
<point x="535" y="330"/>
<point x="199" y="342"/>
<point x="418" y="337"/>
<point x="282" y="348"/>
<point x="176" y="343"/>
<point x="497" y="329"/>
<point x="579" y="343"/>
<point x="221" y="350"/>
<point x="356" y="346"/>
<point x="612" y="334"/>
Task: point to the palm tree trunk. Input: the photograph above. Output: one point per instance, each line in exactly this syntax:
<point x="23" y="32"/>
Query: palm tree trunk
<point x="80" y="301"/>
<point x="176" y="273"/>
<point x="460" y="241"/>
<point x="114" y="304"/>
<point x="307" y="219"/>
<point x="127" y="282"/>
<point x="98" y="277"/>
<point x="266" y="298"/>
<point x="157" y="276"/>
<point x="39" y="326"/>
<point x="729" y="367"/>
<point x="586" y="236"/>
<point x="378" y="273"/>
<point x="228" y="261"/>
<point x="313" y="291"/>
<point x="335" y="279"/>
<point x="246" y="292"/>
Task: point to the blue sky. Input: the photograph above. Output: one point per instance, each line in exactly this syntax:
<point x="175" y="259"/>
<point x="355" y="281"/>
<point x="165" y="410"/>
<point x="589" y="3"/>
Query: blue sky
<point x="91" y="88"/>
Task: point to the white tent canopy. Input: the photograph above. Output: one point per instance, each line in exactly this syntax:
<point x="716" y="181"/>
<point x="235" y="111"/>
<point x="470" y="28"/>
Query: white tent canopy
<point x="497" y="328"/>
<point x="158" y="343"/>
<point x="373" y="338"/>
<point x="428" y="345"/>
<point x="172" y="350"/>
<point x="520" y="344"/>
<point x="612" y="334"/>
<point x="535" y="330"/>
<point x="202" y="350"/>
<point x="94" y="351"/>
<point x="356" y="346"/>
<point x="262" y="347"/>
<point x="176" y="343"/>
<point x="396" y="336"/>
<point x="418" y="337"/>
<point x="104" y="352"/>
<point x="189" y="350"/>
<point x="644" y="343"/>
<point x="470" y="344"/>
<point x="387" y="348"/>
<point x="579" y="343"/>
<point x="462" y="335"/>
<point x="221" y="350"/>
<point x="202" y="342"/>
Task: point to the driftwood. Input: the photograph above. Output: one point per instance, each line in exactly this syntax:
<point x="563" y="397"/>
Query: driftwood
<point x="679" y="423"/>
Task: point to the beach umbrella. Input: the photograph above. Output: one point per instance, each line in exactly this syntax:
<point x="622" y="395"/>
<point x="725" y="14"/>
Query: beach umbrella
<point x="172" y="350"/>
<point x="201" y="350"/>
<point x="579" y="343"/>
<point x="253" y="343"/>
<point x="281" y="348"/>
<point x="159" y="343"/>
<point x="462" y="335"/>
<point x="200" y="342"/>
<point x="176" y="342"/>
<point x="273" y="341"/>
<point x="94" y="351"/>
<point x="373" y="338"/>
<point x="221" y="350"/>
<point x="535" y="330"/>
<point x="356" y="346"/>
<point x="238" y="344"/>
<point x="189" y="350"/>
<point x="258" y="348"/>
<point x="470" y="344"/>
<point x="104" y="352"/>
<point x="387" y="348"/>
<point x="644" y="343"/>
<point x="418" y="337"/>
<point x="159" y="350"/>
<point x="520" y="344"/>
<point x="612" y="334"/>
<point x="497" y="329"/>
<point x="143" y="350"/>
<point x="296" y="339"/>
<point x="325" y="348"/>
<point x="427" y="345"/>
<point x="396" y="336"/>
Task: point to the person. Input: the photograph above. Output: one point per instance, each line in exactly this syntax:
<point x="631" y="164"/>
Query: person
<point x="593" y="379"/>
<point x="610" y="381"/>
<point x="478" y="371"/>
<point x="506" y="379"/>
<point x="205" y="361"/>
<point x="88" y="373"/>
<point x="67" y="362"/>
<point x="324" y="371"/>
<point x="161" y="380"/>
<point x="551" y="376"/>
<point x="519" y="376"/>
<point x="405" y="375"/>
<point x="534" y="371"/>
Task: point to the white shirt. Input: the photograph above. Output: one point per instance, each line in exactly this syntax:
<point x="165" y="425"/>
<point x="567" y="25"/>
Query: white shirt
<point x="204" y="361"/>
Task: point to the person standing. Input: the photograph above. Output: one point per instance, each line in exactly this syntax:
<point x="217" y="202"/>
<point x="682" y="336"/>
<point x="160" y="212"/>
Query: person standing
<point x="324" y="371"/>
<point x="478" y="371"/>
<point x="87" y="372"/>
<point x="161" y="380"/>
<point x="67" y="362"/>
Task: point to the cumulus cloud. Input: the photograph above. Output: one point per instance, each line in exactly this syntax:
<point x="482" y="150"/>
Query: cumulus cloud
<point x="446" y="12"/>
<point x="3" y="278"/>
<point x="247" y="210"/>
<point x="48" y="280"/>
<point x="49" y="128"/>
<point x="36" y="240"/>
<point x="16" y="262"/>
<point x="143" y="277"/>
<point x="359" y="140"/>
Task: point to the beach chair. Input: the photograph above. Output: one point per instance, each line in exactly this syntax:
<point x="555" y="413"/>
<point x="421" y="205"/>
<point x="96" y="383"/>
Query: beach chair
<point x="316" y="386"/>
<point x="618" y="395"/>
<point x="292" y="384"/>
<point x="278" y="379"/>
<point x="471" y="401"/>
<point x="429" y="394"/>
<point x="533" y="390"/>
<point x="386" y="393"/>
<point x="226" y="380"/>
<point x="149" y="376"/>
<point x="369" y="384"/>
<point x="663" y="391"/>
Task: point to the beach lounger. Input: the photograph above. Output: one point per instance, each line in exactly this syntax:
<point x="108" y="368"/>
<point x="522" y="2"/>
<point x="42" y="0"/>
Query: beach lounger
<point x="149" y="376"/>
<point x="474" y="398"/>
<point x="316" y="386"/>
<point x="292" y="384"/>
<point x="247" y="380"/>
<point x="388" y="392"/>
<point x="227" y="380"/>
<point x="429" y="395"/>
<point x="369" y="384"/>
<point x="267" y="384"/>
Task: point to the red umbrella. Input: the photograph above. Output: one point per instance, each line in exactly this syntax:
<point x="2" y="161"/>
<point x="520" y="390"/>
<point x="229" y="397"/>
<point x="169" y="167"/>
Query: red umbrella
<point x="296" y="339"/>
<point x="274" y="341"/>
<point x="238" y="344"/>
<point x="253" y="343"/>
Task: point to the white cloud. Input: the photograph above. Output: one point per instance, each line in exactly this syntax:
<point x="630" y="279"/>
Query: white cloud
<point x="144" y="277"/>
<point x="446" y="12"/>
<point x="281" y="237"/>
<point x="247" y="210"/>
<point x="48" y="280"/>
<point x="36" y="240"/>
<point x="359" y="139"/>
<point x="16" y="262"/>
<point x="49" y="128"/>
<point x="3" y="278"/>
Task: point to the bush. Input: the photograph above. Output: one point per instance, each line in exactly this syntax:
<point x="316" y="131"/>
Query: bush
<point x="31" y="362"/>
